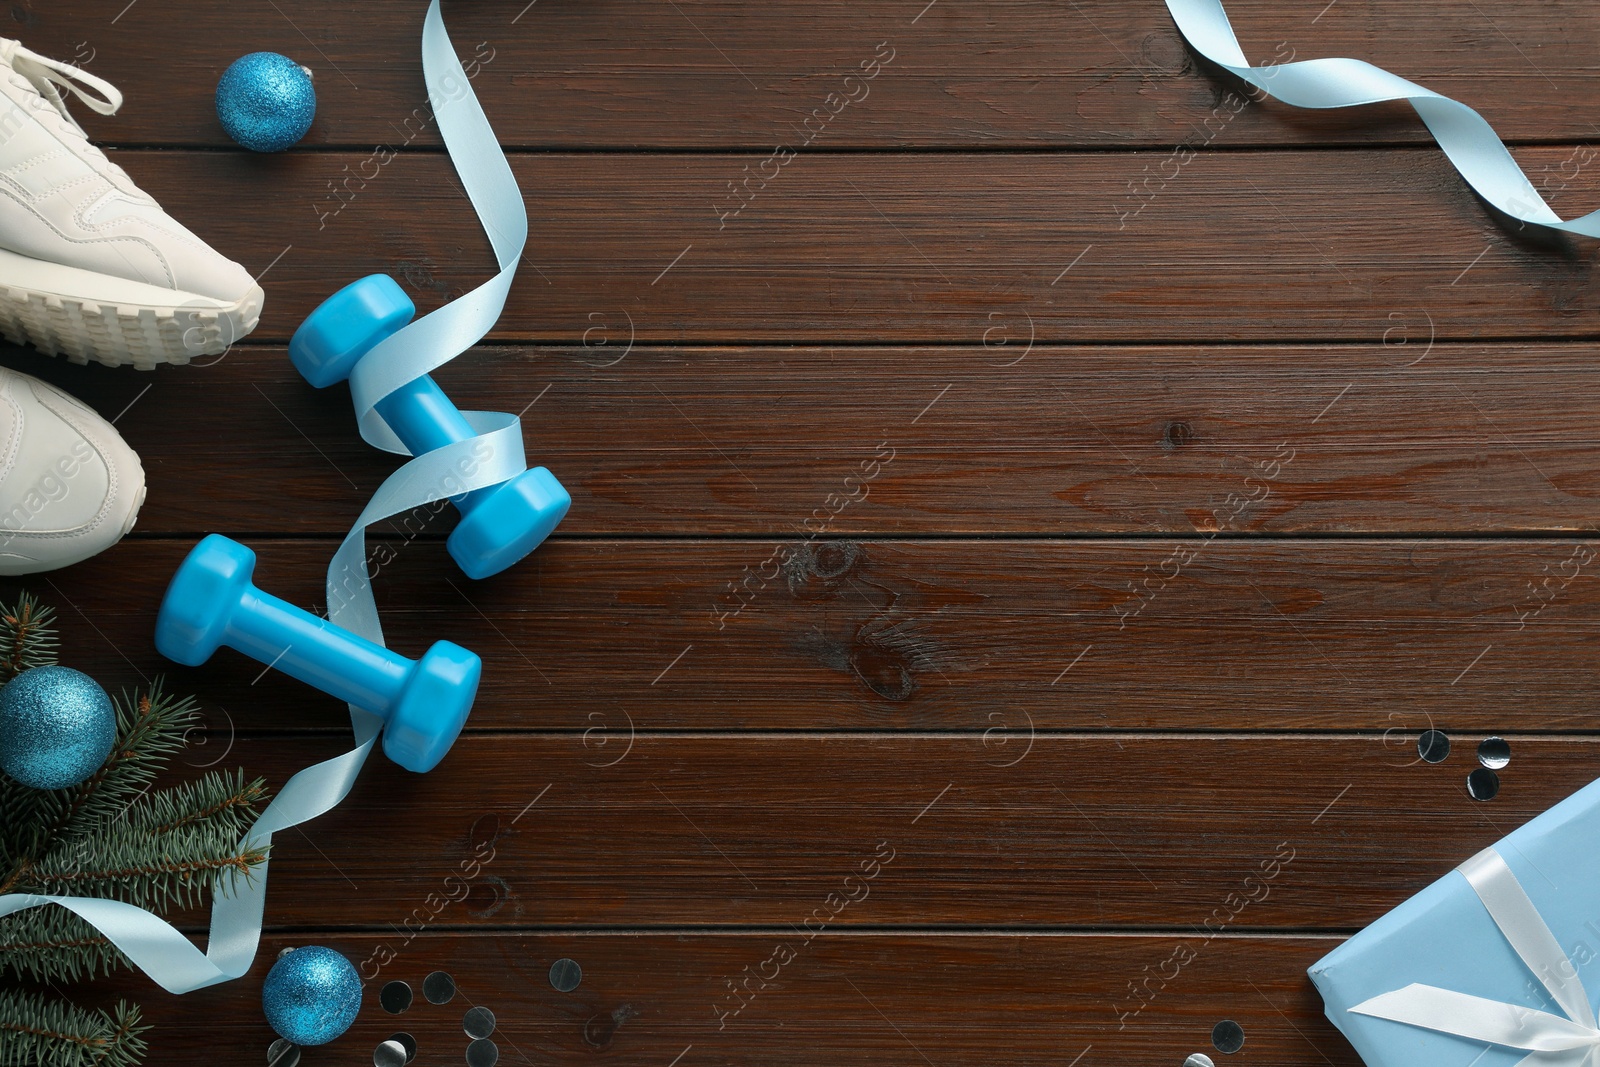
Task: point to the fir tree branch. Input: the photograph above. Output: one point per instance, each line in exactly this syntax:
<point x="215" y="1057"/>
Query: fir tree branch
<point x="59" y="882"/>
<point x="27" y="637"/>
<point x="111" y="837"/>
<point x="222" y="799"/>
<point x="16" y="878"/>
<point x="15" y="803"/>
<point x="157" y="849"/>
<point x="175" y="870"/>
<point x="151" y="727"/>
<point x="161" y="848"/>
<point x="167" y="847"/>
<point x="39" y="1030"/>
<point x="52" y="944"/>
<point x="229" y="806"/>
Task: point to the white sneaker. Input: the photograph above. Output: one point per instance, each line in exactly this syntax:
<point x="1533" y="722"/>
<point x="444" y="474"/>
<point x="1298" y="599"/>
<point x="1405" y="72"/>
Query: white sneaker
<point x="90" y="265"/>
<point x="69" y="485"/>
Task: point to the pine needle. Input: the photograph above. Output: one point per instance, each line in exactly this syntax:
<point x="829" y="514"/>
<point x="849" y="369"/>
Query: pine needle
<point x="223" y="800"/>
<point x="172" y="870"/>
<point x="36" y="1030"/>
<point x="55" y="945"/>
<point x="111" y="837"/>
<point x="27" y="637"/>
<point x="150" y="728"/>
<point x="165" y="849"/>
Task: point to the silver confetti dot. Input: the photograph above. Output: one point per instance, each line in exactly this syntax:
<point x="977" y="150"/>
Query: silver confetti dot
<point x="1199" y="1059"/>
<point x="283" y="1053"/>
<point x="1433" y="746"/>
<point x="389" y="1054"/>
<point x="478" y="1022"/>
<point x="1483" y="784"/>
<point x="483" y="1053"/>
<point x="565" y="975"/>
<point x="395" y="997"/>
<point x="1227" y="1036"/>
<point x="407" y="1042"/>
<point x="1494" y="753"/>
<point x="439" y="987"/>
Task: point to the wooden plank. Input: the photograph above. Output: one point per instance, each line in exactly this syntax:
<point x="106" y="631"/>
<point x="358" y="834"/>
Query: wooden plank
<point x="943" y="248"/>
<point x="843" y="998"/>
<point x="718" y="73"/>
<point x="991" y="637"/>
<point x="1065" y="741"/>
<point x="1394" y="438"/>
<point x="1080" y="833"/>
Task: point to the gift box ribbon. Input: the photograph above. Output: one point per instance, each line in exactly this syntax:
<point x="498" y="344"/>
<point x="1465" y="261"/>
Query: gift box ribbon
<point x="1466" y="137"/>
<point x="1551" y="1040"/>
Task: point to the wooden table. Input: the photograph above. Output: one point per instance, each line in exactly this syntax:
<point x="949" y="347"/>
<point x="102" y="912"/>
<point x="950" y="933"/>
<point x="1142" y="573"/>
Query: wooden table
<point x="999" y="536"/>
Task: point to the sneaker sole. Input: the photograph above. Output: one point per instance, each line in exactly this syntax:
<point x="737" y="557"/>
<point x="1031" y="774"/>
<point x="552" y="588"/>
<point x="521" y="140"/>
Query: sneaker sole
<point x="84" y="315"/>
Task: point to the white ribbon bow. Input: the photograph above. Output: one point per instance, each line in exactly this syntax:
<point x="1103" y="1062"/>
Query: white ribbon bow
<point x="1550" y="1040"/>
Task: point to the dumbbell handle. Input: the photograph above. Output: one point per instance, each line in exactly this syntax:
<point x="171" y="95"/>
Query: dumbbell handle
<point x="500" y="523"/>
<point x="317" y="652"/>
<point x="212" y="601"/>
<point x="424" y="419"/>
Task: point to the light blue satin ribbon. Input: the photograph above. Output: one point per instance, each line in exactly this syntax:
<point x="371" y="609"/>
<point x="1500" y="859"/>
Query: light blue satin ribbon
<point x="154" y="946"/>
<point x="1466" y="138"/>
<point x="1570" y="1039"/>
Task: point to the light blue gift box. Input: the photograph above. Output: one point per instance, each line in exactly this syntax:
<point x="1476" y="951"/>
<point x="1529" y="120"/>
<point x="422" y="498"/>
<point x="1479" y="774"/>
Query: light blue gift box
<point x="1445" y="937"/>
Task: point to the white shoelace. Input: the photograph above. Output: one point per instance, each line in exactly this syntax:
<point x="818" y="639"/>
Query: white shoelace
<point x="49" y="77"/>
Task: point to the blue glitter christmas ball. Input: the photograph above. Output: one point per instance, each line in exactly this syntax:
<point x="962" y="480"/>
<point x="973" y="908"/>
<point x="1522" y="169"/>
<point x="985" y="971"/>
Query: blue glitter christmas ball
<point x="311" y="995"/>
<point x="56" y="727"/>
<point x="266" y="101"/>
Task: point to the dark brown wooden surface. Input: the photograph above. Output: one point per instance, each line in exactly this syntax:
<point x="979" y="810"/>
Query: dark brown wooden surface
<point x="1048" y="440"/>
<point x="1003" y="830"/>
<point x="949" y="248"/>
<point x="971" y="635"/>
<point x="720" y="73"/>
<point x="1197" y="498"/>
<point x="846" y="998"/>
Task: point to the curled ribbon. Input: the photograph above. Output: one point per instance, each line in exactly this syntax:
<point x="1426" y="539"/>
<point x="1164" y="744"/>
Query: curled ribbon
<point x="150" y="943"/>
<point x="1551" y="1040"/>
<point x="1466" y="137"/>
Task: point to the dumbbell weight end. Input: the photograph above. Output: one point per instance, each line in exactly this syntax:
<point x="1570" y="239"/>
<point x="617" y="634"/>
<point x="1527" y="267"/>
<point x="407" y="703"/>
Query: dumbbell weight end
<point x="500" y="524"/>
<point x="212" y="601"/>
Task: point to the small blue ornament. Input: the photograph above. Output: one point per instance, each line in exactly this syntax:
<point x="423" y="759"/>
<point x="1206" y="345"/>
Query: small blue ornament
<point x="57" y="727"/>
<point x="266" y="101"/>
<point x="311" y="995"/>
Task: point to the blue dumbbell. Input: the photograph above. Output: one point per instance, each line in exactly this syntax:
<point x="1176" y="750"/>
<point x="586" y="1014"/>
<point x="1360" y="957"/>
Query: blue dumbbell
<point x="212" y="602"/>
<point x="499" y="524"/>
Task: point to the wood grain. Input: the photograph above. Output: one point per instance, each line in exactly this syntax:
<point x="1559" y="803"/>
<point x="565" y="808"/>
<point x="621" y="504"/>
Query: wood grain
<point x="845" y="998"/>
<point x="1198" y="489"/>
<point x="988" y="636"/>
<point x="1397" y="438"/>
<point x="719" y="74"/>
<point x="909" y="247"/>
<point x="1078" y="832"/>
